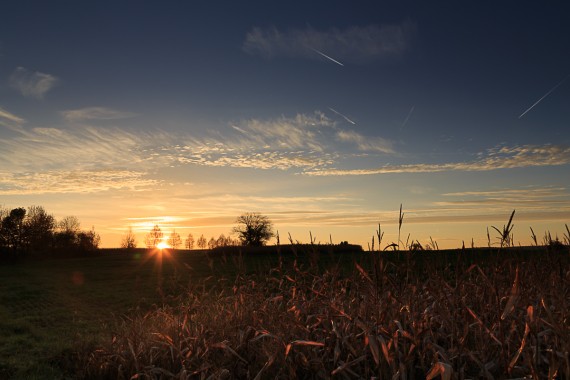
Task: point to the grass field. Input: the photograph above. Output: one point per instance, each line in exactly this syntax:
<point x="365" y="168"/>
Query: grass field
<point x="317" y="315"/>
<point x="49" y="306"/>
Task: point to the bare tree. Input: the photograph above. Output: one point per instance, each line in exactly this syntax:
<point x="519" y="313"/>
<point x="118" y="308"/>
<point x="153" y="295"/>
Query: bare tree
<point x="66" y="234"/>
<point x="70" y="224"/>
<point x="253" y="229"/>
<point x="202" y="242"/>
<point x="129" y="241"/>
<point x="189" y="243"/>
<point x="174" y="240"/>
<point x="212" y="243"/>
<point x="154" y="237"/>
<point x="221" y="241"/>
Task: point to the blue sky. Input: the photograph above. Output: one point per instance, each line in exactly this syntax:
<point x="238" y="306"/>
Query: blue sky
<point x="324" y="116"/>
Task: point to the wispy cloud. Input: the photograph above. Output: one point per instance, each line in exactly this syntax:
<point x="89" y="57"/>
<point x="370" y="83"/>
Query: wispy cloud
<point x="284" y="143"/>
<point x="32" y="84"/>
<point x="302" y="131"/>
<point x="77" y="181"/>
<point x="82" y="148"/>
<point x="543" y="199"/>
<point x="496" y="158"/>
<point x="366" y="144"/>
<point x="304" y="142"/>
<point x="533" y="193"/>
<point x="95" y="113"/>
<point x="10" y="116"/>
<point x="354" y="44"/>
<point x="9" y="120"/>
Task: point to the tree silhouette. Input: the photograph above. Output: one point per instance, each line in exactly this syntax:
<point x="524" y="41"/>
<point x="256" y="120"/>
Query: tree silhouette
<point x="189" y="243"/>
<point x="154" y="237"/>
<point x="253" y="229"/>
<point x="66" y="234"/>
<point x="174" y="240"/>
<point x="202" y="242"/>
<point x="39" y="228"/>
<point x="13" y="231"/>
<point x="129" y="240"/>
<point x="88" y="241"/>
<point x="222" y="241"/>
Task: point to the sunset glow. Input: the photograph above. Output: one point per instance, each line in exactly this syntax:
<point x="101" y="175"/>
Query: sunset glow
<point x="323" y="117"/>
<point x="162" y="245"/>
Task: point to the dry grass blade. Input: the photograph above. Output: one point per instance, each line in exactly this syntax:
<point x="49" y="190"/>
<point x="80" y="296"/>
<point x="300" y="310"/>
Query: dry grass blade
<point x="363" y="273"/>
<point x="267" y="364"/>
<point x="400" y="221"/>
<point x="374" y="348"/>
<point x="483" y="325"/>
<point x="533" y="237"/>
<point x="384" y="349"/>
<point x="510" y="306"/>
<point x="165" y="338"/>
<point x="287" y="350"/>
<point x="520" y="350"/>
<point x="348" y="365"/>
<point x="306" y="343"/>
<point x="134" y="354"/>
<point x="224" y="346"/>
<point x="440" y="369"/>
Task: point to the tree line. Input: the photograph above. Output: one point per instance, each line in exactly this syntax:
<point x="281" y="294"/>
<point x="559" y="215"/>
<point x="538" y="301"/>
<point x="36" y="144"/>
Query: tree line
<point x="253" y="229"/>
<point x="34" y="230"/>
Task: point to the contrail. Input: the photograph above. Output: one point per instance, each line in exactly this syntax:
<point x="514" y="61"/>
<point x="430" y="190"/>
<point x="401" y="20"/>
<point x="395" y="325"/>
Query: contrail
<point x="327" y="57"/>
<point x="341" y="115"/>
<point x="239" y="129"/>
<point x="544" y="96"/>
<point x="407" y="117"/>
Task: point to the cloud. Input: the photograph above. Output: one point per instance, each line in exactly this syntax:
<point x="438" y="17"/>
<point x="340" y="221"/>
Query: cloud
<point x="10" y="116"/>
<point x="354" y="44"/>
<point x="304" y="142"/>
<point x="95" y="113"/>
<point x="77" y="181"/>
<point x="542" y="193"/>
<point x="299" y="142"/>
<point x="32" y="84"/>
<point x="526" y="199"/>
<point x="10" y="121"/>
<point x="84" y="148"/>
<point x="496" y="158"/>
<point x="366" y="144"/>
<point x="290" y="133"/>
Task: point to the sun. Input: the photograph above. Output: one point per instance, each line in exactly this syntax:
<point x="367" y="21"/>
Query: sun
<point x="162" y="245"/>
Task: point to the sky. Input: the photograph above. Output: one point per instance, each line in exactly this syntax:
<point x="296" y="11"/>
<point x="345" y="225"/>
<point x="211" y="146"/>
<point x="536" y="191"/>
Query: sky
<point x="324" y="115"/>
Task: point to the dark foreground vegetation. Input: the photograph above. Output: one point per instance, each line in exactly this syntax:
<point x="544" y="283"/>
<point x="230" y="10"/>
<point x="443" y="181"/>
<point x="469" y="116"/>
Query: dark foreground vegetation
<point x="308" y="312"/>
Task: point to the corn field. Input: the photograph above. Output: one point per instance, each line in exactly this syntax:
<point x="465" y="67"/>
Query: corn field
<point x="499" y="318"/>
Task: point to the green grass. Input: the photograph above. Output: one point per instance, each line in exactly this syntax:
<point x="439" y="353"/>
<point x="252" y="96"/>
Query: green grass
<point x="48" y="307"/>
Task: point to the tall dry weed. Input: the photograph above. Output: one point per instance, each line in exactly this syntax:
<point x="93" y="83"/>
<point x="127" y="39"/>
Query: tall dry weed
<point x="418" y="318"/>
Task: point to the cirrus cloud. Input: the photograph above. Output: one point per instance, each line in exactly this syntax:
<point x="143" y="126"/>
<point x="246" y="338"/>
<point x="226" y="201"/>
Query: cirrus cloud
<point x="496" y="158"/>
<point x="32" y="84"/>
<point x="95" y="113"/>
<point x="354" y="44"/>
